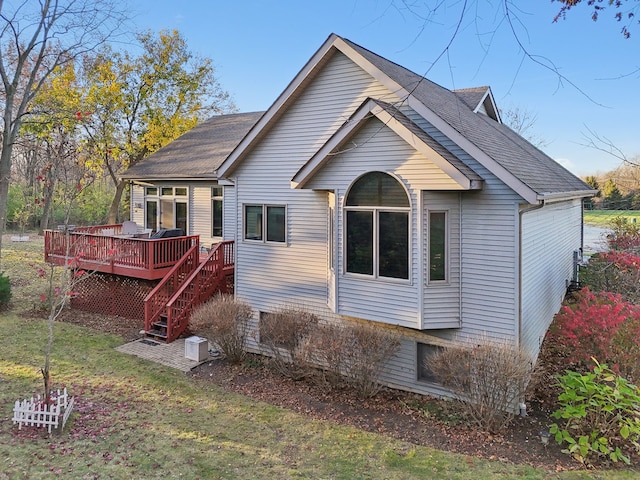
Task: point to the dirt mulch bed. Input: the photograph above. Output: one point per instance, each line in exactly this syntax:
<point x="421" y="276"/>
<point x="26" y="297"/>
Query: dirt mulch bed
<point x="126" y="328"/>
<point x="413" y="418"/>
<point x="405" y="416"/>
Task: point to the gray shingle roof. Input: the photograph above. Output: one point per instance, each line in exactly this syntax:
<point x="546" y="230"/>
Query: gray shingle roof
<point x="197" y="153"/>
<point x="471" y="96"/>
<point x="429" y="140"/>
<point x="530" y="165"/>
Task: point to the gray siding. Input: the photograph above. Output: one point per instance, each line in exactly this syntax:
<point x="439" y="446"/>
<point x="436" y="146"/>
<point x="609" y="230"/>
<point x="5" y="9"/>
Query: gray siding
<point x="549" y="237"/>
<point x="269" y="275"/>
<point x="200" y="212"/>
<point x="441" y="299"/>
<point x="384" y="300"/>
<point x="230" y="219"/>
<point x="489" y="253"/>
<point x="489" y="266"/>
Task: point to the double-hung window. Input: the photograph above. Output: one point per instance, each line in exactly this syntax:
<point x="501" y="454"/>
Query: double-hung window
<point x="377" y="227"/>
<point x="265" y="223"/>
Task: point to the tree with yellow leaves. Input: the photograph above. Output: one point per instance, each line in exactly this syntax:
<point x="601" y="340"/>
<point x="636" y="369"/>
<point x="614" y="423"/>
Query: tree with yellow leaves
<point x="136" y="104"/>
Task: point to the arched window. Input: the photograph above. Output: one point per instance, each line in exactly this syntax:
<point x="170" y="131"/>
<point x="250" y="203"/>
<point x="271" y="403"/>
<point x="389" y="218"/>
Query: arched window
<point x="377" y="227"/>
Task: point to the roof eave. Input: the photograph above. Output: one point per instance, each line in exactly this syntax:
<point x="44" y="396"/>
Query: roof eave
<point x="517" y="185"/>
<point x="235" y="157"/>
<point x="373" y="108"/>
<point x="167" y="178"/>
<point x="549" y="197"/>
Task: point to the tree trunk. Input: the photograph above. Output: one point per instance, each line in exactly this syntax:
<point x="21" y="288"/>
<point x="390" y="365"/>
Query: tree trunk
<point x="5" y="177"/>
<point x="47" y="194"/>
<point x="46" y="212"/>
<point x="115" y="204"/>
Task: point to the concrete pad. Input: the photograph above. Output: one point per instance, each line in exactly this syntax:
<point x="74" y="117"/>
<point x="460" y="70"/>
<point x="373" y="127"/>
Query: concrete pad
<point x="170" y="355"/>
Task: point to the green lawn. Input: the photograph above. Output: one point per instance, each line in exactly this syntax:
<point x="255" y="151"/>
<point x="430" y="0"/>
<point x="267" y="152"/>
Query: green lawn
<point x="136" y="419"/>
<point x="602" y="218"/>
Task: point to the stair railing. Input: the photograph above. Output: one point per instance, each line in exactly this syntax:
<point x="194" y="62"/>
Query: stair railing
<point x="156" y="300"/>
<point x="198" y="288"/>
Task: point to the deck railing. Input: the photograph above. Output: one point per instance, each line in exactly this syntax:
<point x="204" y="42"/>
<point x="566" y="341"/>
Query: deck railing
<point x="91" y="249"/>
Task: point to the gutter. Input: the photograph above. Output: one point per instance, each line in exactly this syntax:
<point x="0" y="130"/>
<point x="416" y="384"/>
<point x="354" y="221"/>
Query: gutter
<point x="173" y="178"/>
<point x="560" y="196"/>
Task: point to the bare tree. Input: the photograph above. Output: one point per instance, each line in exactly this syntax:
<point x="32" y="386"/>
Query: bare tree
<point x="35" y="38"/>
<point x="605" y="145"/>
<point x="521" y="121"/>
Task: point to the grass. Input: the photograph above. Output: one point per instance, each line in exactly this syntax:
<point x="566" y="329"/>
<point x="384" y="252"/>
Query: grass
<point x="603" y="218"/>
<point x="136" y="419"/>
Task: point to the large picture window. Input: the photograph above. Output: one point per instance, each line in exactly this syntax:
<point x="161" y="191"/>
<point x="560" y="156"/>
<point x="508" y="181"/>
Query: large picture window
<point x="377" y="227"/>
<point x="261" y="219"/>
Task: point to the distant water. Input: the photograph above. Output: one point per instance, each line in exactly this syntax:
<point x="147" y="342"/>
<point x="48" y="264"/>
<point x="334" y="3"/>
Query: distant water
<point x="595" y="239"/>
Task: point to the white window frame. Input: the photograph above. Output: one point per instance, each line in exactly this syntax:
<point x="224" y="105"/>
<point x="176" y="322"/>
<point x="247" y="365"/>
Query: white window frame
<point x="159" y="196"/>
<point x="264" y="225"/>
<point x="376" y="210"/>
<point x="447" y="248"/>
<point x="217" y="198"/>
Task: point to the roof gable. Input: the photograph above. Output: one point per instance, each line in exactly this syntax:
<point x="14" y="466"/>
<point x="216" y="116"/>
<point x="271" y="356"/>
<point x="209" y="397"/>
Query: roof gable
<point x="525" y="169"/>
<point x="391" y="117"/>
<point x="480" y="100"/>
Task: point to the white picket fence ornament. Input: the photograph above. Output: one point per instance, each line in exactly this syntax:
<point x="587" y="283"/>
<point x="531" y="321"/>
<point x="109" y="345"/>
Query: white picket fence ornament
<point x="34" y="411"/>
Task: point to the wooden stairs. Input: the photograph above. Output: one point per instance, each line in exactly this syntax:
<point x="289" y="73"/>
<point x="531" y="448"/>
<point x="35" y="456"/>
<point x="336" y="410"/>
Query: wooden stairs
<point x="189" y="283"/>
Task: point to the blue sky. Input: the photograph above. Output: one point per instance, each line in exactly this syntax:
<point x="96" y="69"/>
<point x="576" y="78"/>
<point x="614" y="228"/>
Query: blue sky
<point x="259" y="46"/>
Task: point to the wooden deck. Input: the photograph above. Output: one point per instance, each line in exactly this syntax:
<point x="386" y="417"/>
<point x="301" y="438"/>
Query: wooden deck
<point x="89" y="248"/>
<point x="187" y="277"/>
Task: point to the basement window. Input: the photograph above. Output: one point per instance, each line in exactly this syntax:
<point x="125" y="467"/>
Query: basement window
<point x="424" y="352"/>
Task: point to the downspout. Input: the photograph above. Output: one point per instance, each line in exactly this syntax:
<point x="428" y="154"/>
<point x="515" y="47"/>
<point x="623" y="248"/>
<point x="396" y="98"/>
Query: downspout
<point x="238" y="235"/>
<point x="581" y="227"/>
<point x="520" y="215"/>
<point x="523" y="405"/>
<point x="131" y="203"/>
<point x="460" y="256"/>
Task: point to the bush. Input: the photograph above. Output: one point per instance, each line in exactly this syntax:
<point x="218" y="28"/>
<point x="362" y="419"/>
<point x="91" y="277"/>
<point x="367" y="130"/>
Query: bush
<point x="488" y="380"/>
<point x="600" y="415"/>
<point x="368" y="349"/>
<point x="585" y="328"/>
<point x="354" y="354"/>
<point x="625" y="349"/>
<point x="593" y="327"/>
<point x="326" y="348"/>
<point x="625" y="236"/>
<point x="5" y="290"/>
<point x="614" y="271"/>
<point x="224" y="322"/>
<point x="284" y="333"/>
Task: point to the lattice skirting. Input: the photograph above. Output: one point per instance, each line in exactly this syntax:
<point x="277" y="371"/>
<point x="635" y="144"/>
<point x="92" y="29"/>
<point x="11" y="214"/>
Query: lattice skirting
<point x="113" y="295"/>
